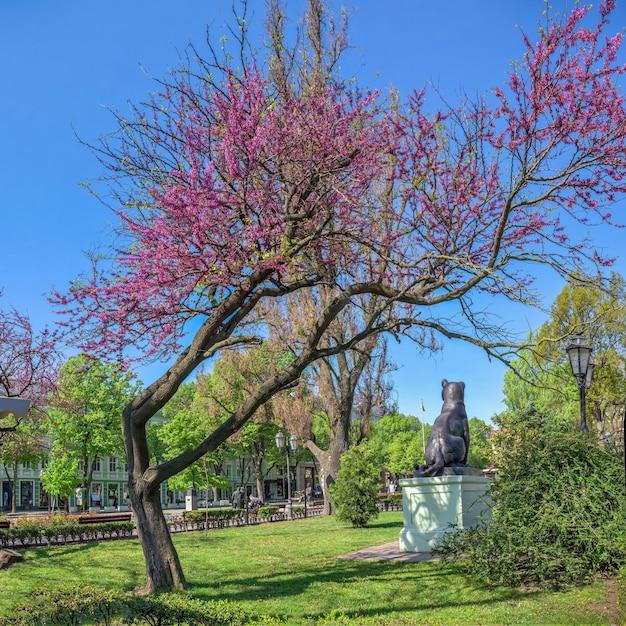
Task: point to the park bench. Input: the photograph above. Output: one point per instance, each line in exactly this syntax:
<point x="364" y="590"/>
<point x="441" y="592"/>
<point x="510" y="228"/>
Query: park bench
<point x="103" y="519"/>
<point x="5" y="524"/>
<point x="298" y="497"/>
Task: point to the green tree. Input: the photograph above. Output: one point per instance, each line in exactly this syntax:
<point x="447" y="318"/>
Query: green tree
<point x="23" y="444"/>
<point x="61" y="478"/>
<point x="398" y="442"/>
<point x="188" y="423"/>
<point x="235" y="376"/>
<point x="84" y="421"/>
<point x="481" y="451"/>
<point x="355" y="493"/>
<point x="542" y="376"/>
<point x="600" y="314"/>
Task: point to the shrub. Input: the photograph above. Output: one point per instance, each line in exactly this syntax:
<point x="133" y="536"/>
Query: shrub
<point x="30" y="531"/>
<point x="213" y="515"/>
<point x="558" y="514"/>
<point x="166" y="609"/>
<point x="395" y="499"/>
<point x="267" y="511"/>
<point x="355" y="492"/>
<point x="85" y="604"/>
<point x="68" y="604"/>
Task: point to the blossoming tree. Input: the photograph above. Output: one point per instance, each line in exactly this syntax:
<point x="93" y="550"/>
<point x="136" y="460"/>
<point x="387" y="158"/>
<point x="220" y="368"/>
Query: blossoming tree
<point x="243" y="182"/>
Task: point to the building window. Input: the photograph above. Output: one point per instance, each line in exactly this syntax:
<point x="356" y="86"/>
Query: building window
<point x="26" y="493"/>
<point x="112" y="464"/>
<point x="97" y="466"/>
<point x="96" y="494"/>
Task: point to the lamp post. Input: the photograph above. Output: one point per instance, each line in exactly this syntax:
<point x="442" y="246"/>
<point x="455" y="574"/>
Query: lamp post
<point x="293" y="444"/>
<point x="579" y="353"/>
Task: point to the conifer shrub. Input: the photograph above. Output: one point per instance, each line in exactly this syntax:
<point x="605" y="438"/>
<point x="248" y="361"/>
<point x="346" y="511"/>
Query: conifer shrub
<point x="355" y="492"/>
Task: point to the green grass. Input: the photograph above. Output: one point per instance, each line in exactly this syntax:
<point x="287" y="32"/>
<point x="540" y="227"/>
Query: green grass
<point x="291" y="570"/>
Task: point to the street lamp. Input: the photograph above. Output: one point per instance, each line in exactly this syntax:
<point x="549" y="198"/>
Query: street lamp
<point x="293" y="444"/>
<point x="579" y="353"/>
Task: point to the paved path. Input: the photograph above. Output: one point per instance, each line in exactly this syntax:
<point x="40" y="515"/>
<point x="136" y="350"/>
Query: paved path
<point x="388" y="552"/>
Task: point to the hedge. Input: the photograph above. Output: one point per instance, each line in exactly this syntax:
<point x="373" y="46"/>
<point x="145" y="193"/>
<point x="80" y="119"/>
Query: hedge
<point x="33" y="534"/>
<point x="86" y="604"/>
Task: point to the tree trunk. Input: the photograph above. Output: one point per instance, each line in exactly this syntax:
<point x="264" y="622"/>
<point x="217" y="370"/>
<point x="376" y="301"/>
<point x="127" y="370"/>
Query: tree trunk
<point x="163" y="569"/>
<point x="329" y="463"/>
<point x="13" y="484"/>
<point x="259" y="476"/>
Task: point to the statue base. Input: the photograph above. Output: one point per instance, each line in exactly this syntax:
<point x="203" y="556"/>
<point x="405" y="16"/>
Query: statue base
<point x="433" y="504"/>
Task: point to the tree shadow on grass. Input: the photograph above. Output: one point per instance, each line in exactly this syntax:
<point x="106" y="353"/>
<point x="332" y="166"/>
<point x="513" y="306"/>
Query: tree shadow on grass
<point x="399" y="525"/>
<point x="36" y="570"/>
<point x="434" y="588"/>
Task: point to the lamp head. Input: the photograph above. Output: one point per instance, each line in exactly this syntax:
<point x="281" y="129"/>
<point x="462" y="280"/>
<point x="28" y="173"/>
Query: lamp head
<point x="579" y="353"/>
<point x="280" y="440"/>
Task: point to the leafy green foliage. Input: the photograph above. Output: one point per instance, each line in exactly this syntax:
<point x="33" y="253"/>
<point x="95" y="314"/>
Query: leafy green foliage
<point x="355" y="493"/>
<point x="268" y="511"/>
<point x="544" y="375"/>
<point x="84" y="422"/>
<point x="558" y="514"/>
<point x="60" y="478"/>
<point x="398" y="442"/>
<point x="59" y="529"/>
<point x="82" y="604"/>
<point x="212" y="515"/>
<point x="187" y="425"/>
<point x="481" y="449"/>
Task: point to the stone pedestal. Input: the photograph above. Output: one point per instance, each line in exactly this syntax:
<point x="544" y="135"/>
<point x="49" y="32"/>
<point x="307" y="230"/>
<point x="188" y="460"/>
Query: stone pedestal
<point x="432" y="505"/>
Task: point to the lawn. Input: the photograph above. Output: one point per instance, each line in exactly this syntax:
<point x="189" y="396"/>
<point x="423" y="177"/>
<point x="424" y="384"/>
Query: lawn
<point x="291" y="570"/>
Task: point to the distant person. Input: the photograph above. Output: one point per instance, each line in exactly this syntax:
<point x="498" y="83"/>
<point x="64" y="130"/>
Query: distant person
<point x="254" y="503"/>
<point x="239" y="498"/>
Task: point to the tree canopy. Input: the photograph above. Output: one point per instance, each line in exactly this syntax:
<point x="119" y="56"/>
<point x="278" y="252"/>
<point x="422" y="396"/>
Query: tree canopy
<point x="84" y="419"/>
<point x="542" y="377"/>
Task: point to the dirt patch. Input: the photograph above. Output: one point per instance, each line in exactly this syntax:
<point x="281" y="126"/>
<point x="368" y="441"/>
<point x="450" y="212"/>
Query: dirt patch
<point x="610" y="607"/>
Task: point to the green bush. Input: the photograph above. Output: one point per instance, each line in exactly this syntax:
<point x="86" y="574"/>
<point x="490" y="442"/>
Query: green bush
<point x="69" y="604"/>
<point x="355" y="492"/>
<point x="213" y="515"/>
<point x="174" y="609"/>
<point x="394" y="499"/>
<point x="32" y="533"/>
<point x="84" y="604"/>
<point x="264" y="512"/>
<point x="557" y="516"/>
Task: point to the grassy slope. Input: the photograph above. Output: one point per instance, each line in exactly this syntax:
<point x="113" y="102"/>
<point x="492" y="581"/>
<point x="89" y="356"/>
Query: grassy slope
<point x="292" y="570"/>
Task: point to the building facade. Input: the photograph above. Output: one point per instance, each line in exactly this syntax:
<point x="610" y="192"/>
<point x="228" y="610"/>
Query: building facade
<point x="109" y="486"/>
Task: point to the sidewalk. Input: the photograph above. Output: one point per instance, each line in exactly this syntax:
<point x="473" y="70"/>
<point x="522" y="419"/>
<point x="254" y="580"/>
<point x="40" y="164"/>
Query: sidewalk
<point x="388" y="552"/>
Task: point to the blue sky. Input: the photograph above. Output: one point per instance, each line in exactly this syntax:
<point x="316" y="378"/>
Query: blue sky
<point x="63" y="62"/>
